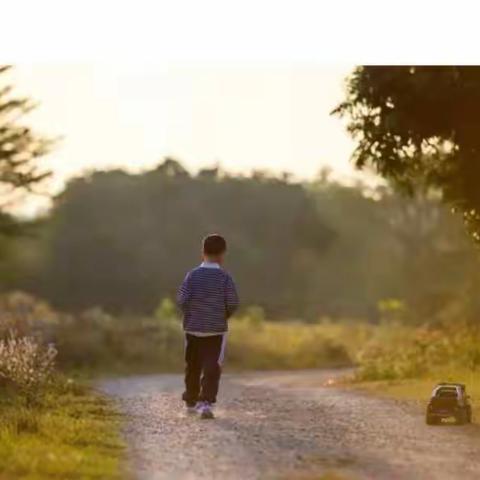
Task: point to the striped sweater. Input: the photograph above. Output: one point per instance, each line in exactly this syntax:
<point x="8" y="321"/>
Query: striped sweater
<point x="207" y="297"/>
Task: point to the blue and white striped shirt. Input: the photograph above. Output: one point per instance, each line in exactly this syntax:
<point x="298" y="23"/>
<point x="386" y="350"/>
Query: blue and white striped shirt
<point x="207" y="297"/>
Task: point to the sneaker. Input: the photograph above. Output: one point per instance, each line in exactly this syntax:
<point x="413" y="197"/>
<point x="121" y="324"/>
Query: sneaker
<point x="205" y="410"/>
<point x="191" y="407"/>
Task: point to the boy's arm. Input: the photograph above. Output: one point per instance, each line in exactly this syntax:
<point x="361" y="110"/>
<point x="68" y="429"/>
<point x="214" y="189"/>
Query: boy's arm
<point x="231" y="297"/>
<point x="183" y="293"/>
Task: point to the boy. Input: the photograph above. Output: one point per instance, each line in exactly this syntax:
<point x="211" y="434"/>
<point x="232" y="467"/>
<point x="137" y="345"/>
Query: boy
<point x="207" y="297"/>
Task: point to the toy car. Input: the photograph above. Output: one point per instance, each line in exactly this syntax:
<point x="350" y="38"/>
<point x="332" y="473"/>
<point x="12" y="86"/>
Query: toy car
<point x="449" y="400"/>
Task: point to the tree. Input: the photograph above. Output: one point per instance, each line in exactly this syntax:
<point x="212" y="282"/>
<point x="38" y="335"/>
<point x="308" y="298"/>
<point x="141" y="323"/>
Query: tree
<point x="20" y="149"/>
<point x="418" y="126"/>
<point x="125" y="241"/>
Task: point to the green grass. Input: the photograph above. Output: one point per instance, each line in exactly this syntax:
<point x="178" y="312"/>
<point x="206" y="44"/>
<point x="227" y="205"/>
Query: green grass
<point x="70" y="435"/>
<point x="420" y="389"/>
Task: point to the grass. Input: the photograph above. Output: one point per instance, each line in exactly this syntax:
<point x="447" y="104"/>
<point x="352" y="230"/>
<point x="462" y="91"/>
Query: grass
<point x="72" y="434"/>
<point x="420" y="389"/>
<point x="266" y="345"/>
<point x="156" y="345"/>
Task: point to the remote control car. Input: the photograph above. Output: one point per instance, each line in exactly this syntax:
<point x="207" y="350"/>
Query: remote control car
<point x="449" y="400"/>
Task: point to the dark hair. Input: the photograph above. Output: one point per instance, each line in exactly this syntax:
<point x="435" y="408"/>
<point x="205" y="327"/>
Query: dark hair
<point x="214" y="244"/>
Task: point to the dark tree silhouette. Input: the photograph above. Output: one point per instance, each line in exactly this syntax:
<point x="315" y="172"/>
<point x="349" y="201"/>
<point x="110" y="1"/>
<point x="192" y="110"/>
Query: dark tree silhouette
<point x="420" y="126"/>
<point x="20" y="148"/>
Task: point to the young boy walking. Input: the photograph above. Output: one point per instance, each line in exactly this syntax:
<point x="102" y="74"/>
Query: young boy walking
<point x="207" y="297"/>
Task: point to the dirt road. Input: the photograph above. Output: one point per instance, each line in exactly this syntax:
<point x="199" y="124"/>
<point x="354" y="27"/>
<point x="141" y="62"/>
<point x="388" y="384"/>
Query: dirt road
<point x="286" y="426"/>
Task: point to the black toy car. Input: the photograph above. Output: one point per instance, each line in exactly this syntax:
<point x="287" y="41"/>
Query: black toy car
<point x="449" y="400"/>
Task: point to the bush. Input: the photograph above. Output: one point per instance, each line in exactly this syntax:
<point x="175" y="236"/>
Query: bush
<point x="396" y="351"/>
<point x="96" y="340"/>
<point x="26" y="316"/>
<point x="256" y="343"/>
<point x="26" y="364"/>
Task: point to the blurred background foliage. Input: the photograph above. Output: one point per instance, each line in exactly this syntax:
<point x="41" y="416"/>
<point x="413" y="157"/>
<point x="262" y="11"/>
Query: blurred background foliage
<point x="121" y="242"/>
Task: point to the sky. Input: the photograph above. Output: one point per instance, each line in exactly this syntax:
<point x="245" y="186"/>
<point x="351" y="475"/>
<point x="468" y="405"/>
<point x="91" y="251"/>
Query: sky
<point x="243" y="117"/>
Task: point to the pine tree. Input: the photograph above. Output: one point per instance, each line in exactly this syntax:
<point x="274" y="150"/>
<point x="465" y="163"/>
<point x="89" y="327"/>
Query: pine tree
<point x="20" y="149"/>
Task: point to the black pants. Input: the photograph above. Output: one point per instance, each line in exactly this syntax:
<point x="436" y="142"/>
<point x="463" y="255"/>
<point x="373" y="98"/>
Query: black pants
<point x="203" y="358"/>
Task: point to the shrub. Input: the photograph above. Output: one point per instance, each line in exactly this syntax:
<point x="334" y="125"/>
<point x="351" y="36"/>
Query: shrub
<point x="26" y="316"/>
<point x="261" y="344"/>
<point x="397" y="351"/>
<point x="26" y="364"/>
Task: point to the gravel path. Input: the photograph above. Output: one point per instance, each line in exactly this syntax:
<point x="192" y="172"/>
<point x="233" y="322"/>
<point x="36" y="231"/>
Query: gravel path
<point x="286" y="426"/>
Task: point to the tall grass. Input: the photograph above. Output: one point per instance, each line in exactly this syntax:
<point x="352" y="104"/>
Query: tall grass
<point x="155" y="344"/>
<point x="392" y="349"/>
<point x="396" y="351"/>
<point x="256" y="343"/>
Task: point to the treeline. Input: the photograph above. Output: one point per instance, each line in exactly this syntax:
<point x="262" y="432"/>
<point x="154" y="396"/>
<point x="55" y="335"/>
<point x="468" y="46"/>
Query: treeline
<point x="124" y="241"/>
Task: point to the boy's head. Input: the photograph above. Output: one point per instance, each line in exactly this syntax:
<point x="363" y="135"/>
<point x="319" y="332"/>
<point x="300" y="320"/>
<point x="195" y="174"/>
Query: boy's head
<point x="214" y="248"/>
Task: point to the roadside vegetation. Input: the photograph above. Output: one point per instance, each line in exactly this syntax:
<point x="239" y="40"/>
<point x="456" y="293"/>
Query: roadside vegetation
<point x="394" y="348"/>
<point x="70" y="432"/>
<point x="50" y="426"/>
<point x="405" y="360"/>
<point x="95" y="342"/>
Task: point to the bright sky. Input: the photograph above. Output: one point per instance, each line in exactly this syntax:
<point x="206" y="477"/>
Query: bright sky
<point x="247" y="84"/>
<point x="243" y="117"/>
